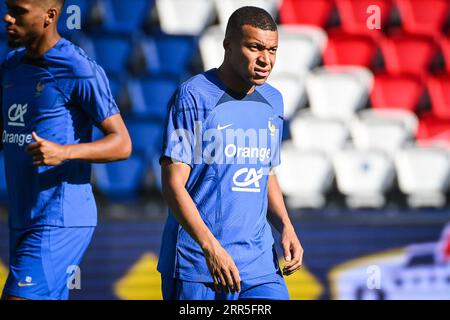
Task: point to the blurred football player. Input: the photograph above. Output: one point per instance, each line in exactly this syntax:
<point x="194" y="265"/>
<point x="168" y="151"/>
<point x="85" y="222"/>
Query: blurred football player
<point x="51" y="96"/>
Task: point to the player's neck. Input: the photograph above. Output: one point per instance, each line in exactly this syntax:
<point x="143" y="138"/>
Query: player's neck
<point x="233" y="82"/>
<point x="43" y="44"/>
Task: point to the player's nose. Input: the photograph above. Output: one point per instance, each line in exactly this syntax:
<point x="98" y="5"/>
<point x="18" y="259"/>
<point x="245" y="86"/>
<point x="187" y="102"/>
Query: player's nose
<point x="8" y="19"/>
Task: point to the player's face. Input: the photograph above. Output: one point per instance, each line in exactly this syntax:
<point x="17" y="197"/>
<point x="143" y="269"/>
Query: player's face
<point x="25" y="21"/>
<point x="253" y="55"/>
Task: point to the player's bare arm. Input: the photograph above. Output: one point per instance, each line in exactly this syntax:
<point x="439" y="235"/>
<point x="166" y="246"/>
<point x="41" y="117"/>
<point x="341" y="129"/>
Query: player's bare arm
<point x="220" y="264"/>
<point x="279" y="218"/>
<point x="114" y="146"/>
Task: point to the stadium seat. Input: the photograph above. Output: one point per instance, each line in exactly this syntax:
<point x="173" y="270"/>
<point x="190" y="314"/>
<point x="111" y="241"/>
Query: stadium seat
<point x="445" y="49"/>
<point x="149" y="96"/>
<point x="364" y="177"/>
<point x="310" y="12"/>
<point x="386" y="89"/>
<point x="423" y="16"/>
<point x="67" y="16"/>
<point x="439" y="90"/>
<point x="338" y="91"/>
<point x="300" y="49"/>
<point x="120" y="180"/>
<point x="354" y="14"/>
<point x="318" y="134"/>
<point x="112" y="52"/>
<point x="125" y="16"/>
<point x="185" y="17"/>
<point x="2" y="15"/>
<point x="348" y="49"/>
<point x="168" y="54"/>
<point x="211" y="48"/>
<point x="408" y="54"/>
<point x="433" y="131"/>
<point x="146" y="136"/>
<point x="407" y="118"/>
<point x="424" y="175"/>
<point x="225" y="8"/>
<point x="305" y="177"/>
<point x="293" y="91"/>
<point x="384" y="134"/>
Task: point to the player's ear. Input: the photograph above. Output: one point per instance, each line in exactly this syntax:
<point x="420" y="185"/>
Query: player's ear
<point x="51" y="17"/>
<point x="226" y="44"/>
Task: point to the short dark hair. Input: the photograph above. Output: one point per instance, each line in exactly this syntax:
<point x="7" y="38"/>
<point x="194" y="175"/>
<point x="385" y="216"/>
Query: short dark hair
<point x="252" y="16"/>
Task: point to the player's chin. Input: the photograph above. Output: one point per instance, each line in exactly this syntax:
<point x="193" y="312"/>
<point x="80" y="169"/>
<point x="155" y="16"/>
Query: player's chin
<point x="14" y="42"/>
<point x="258" y="81"/>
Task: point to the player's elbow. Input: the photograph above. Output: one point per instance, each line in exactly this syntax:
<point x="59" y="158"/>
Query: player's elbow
<point x="126" y="149"/>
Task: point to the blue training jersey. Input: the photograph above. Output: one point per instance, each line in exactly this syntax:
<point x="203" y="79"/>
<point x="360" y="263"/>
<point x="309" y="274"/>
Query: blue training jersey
<point x="231" y="143"/>
<point x="60" y="96"/>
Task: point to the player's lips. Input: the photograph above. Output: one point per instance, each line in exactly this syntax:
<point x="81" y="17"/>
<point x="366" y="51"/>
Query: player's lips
<point x="262" y="73"/>
<point x="11" y="30"/>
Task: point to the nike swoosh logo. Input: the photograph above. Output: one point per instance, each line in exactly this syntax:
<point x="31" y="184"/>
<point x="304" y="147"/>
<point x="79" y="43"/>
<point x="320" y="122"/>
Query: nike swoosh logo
<point x="219" y="127"/>
<point x="21" y="284"/>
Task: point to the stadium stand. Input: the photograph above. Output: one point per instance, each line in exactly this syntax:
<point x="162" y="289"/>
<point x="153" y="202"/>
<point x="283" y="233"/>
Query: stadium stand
<point x="307" y="12"/>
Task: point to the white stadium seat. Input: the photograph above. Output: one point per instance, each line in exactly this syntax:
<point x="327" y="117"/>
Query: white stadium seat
<point x="423" y="175"/>
<point x="299" y="49"/>
<point x="324" y="135"/>
<point x="364" y="177"/>
<point x="226" y="7"/>
<point x="383" y="134"/>
<point x="406" y="117"/>
<point x="304" y="176"/>
<point x="338" y="91"/>
<point x="211" y="47"/>
<point x="187" y="17"/>
<point x="293" y="91"/>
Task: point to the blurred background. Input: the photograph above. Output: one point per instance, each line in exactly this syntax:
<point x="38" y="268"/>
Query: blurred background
<point x="366" y="152"/>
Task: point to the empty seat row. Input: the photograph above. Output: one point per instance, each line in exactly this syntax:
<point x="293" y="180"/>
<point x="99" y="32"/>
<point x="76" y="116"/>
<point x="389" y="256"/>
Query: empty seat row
<point x="365" y="177"/>
<point x="416" y="16"/>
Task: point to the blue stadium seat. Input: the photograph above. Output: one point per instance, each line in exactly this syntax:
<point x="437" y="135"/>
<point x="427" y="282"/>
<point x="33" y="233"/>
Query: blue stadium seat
<point x="85" y="11"/>
<point x="3" y="190"/>
<point x="120" y="180"/>
<point x="146" y="137"/>
<point x="112" y="53"/>
<point x="125" y="16"/>
<point x="168" y="54"/>
<point x="149" y="97"/>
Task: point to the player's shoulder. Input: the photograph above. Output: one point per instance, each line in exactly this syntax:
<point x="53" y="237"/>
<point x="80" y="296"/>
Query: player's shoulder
<point x="72" y="59"/>
<point x="200" y="90"/>
<point x="272" y="95"/>
<point x="14" y="57"/>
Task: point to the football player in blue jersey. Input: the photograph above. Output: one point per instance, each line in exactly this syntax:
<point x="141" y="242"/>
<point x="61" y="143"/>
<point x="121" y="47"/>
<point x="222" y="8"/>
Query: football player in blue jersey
<point x="221" y="143"/>
<point x="51" y="95"/>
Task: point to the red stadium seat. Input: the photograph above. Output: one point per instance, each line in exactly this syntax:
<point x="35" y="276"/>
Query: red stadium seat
<point x="439" y="90"/>
<point x="347" y="49"/>
<point x="423" y="16"/>
<point x="312" y="12"/>
<point x="410" y="54"/>
<point x="354" y="15"/>
<point x="433" y="128"/>
<point x="445" y="47"/>
<point x="397" y="91"/>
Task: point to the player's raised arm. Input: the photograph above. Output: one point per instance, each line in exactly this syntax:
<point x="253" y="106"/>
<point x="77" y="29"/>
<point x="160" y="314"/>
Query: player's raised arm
<point x="279" y="218"/>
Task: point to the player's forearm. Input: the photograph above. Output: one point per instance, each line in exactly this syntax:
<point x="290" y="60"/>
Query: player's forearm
<point x="186" y="213"/>
<point x="277" y="215"/>
<point x="112" y="147"/>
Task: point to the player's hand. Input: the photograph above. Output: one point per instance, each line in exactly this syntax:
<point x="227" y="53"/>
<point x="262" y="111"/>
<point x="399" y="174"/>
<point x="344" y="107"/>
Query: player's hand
<point x="46" y="153"/>
<point x="223" y="270"/>
<point x="292" y="249"/>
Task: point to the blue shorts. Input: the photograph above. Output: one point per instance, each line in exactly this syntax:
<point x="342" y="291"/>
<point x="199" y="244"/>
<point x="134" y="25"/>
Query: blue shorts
<point x="43" y="260"/>
<point x="271" y="287"/>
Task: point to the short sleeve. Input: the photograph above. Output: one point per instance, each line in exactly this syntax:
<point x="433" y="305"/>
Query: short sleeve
<point x="278" y="120"/>
<point x="179" y="133"/>
<point x="94" y="95"/>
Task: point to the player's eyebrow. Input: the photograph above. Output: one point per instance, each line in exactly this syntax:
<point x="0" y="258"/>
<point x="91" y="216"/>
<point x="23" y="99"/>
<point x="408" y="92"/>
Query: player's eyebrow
<point x="260" y="43"/>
